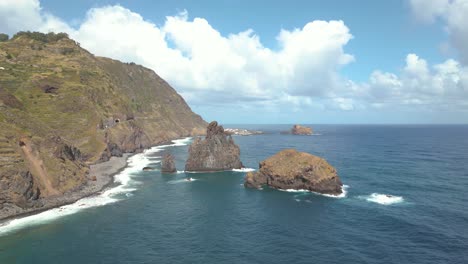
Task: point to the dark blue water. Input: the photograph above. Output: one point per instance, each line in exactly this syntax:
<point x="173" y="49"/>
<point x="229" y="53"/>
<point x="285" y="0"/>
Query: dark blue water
<point x="216" y="220"/>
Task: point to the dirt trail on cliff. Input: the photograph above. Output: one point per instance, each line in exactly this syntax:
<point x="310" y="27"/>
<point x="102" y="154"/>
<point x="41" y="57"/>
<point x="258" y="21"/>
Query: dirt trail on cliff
<point x="37" y="169"/>
<point x="75" y="109"/>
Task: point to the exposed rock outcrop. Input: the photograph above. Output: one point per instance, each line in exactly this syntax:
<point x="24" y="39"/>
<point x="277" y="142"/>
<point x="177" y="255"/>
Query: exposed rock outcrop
<point x="75" y="109"/>
<point x="168" y="164"/>
<point x="290" y="169"/>
<point x="301" y="130"/>
<point x="217" y="152"/>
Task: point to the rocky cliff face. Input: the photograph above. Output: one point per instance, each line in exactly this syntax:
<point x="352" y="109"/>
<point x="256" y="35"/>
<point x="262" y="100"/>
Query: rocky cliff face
<point x="216" y="152"/>
<point x="301" y="130"/>
<point x="290" y="169"/>
<point x="62" y="109"/>
<point x="168" y="164"/>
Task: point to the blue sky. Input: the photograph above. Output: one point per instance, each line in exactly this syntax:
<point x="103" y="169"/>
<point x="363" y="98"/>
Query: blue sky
<point x="347" y="62"/>
<point x="377" y="26"/>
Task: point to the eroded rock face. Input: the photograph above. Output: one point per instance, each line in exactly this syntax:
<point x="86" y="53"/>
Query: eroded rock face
<point x="129" y="110"/>
<point x="301" y="130"/>
<point x="216" y="152"/>
<point x="168" y="164"/>
<point x="290" y="169"/>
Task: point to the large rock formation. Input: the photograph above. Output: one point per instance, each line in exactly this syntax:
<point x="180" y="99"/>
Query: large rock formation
<point x="168" y="164"/>
<point x="62" y="109"/>
<point x="216" y="152"/>
<point x="290" y="169"/>
<point x="301" y="130"/>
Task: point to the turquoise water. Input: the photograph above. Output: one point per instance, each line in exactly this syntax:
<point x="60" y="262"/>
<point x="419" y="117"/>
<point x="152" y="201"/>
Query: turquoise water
<point x="156" y="218"/>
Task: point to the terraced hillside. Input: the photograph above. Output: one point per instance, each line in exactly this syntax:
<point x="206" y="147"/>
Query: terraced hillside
<point x="62" y="109"/>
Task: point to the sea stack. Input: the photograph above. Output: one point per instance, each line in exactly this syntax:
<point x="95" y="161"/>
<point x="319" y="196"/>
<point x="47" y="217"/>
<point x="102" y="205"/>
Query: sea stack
<point x="301" y="130"/>
<point x="290" y="169"/>
<point x="217" y="152"/>
<point x="168" y="164"/>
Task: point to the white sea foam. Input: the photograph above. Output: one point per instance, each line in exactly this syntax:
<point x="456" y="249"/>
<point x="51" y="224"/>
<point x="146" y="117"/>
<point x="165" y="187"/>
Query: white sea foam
<point x="127" y="185"/>
<point x="182" y="142"/>
<point x="235" y="170"/>
<point x="55" y="213"/>
<point x="175" y="143"/>
<point x="343" y="194"/>
<point x="182" y="181"/>
<point x="243" y="170"/>
<point x="295" y="190"/>
<point x="384" y="199"/>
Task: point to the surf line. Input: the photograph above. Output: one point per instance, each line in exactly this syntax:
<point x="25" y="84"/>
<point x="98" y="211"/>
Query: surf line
<point x="126" y="185"/>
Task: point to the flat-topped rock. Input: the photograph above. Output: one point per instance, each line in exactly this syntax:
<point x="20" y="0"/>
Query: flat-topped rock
<point x="290" y="169"/>
<point x="168" y="164"/>
<point x="301" y="130"/>
<point x="217" y="152"/>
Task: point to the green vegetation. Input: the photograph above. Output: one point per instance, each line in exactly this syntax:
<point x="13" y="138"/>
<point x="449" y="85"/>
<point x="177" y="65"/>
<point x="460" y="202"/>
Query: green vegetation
<point x="55" y="92"/>
<point x="4" y="37"/>
<point x="42" y="37"/>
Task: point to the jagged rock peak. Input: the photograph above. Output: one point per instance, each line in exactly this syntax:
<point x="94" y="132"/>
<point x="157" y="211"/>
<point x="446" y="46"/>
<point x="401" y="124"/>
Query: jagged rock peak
<point x="217" y="152"/>
<point x="168" y="164"/>
<point x="214" y="129"/>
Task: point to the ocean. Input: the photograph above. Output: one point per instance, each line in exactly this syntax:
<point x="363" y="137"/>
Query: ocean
<point x="154" y="218"/>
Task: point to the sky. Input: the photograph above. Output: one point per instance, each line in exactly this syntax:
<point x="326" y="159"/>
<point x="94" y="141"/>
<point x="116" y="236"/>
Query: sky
<point x="332" y="62"/>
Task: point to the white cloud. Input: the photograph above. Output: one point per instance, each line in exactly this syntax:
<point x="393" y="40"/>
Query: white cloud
<point x="303" y="72"/>
<point x="195" y="57"/>
<point x="22" y="15"/>
<point x="345" y="104"/>
<point x="17" y="15"/>
<point x="441" y="86"/>
<point x="453" y="14"/>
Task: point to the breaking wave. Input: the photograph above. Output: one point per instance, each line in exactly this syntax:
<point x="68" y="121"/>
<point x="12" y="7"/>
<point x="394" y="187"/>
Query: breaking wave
<point x="343" y="194"/>
<point x="127" y="185"/>
<point x="186" y="180"/>
<point x="243" y="170"/>
<point x="384" y="199"/>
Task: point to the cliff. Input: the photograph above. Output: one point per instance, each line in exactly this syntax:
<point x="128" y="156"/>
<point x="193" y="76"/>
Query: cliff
<point x="290" y="169"/>
<point x="217" y="152"/>
<point x="63" y="109"/>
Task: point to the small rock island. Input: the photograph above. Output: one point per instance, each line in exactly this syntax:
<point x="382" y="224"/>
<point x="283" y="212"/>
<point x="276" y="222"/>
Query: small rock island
<point x="217" y="152"/>
<point x="168" y="164"/>
<point x="301" y="130"/>
<point x="290" y="169"/>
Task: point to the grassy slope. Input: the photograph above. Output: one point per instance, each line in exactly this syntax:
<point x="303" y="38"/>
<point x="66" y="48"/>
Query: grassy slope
<point x="88" y="95"/>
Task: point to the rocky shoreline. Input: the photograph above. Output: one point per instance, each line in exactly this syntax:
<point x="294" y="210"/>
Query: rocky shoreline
<point x="102" y="177"/>
<point x="53" y="125"/>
